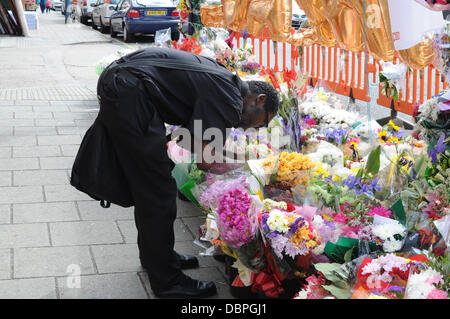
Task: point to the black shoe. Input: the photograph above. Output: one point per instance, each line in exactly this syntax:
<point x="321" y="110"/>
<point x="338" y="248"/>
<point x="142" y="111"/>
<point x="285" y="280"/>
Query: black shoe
<point x="220" y="258"/>
<point x="188" y="288"/>
<point x="188" y="262"/>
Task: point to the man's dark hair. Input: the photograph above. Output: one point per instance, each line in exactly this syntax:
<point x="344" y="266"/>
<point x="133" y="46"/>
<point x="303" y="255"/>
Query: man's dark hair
<point x="272" y="101"/>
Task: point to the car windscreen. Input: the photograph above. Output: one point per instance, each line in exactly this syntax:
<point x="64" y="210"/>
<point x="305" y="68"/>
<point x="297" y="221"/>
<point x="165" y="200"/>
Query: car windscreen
<point x="154" y="3"/>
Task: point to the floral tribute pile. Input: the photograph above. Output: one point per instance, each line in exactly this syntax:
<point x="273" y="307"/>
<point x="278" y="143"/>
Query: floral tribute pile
<point x="326" y="204"/>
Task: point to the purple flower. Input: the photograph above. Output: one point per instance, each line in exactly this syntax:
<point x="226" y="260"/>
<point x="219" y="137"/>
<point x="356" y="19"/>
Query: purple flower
<point x="245" y="34"/>
<point x="433" y="154"/>
<point x="440" y="146"/>
<point x="396" y="288"/>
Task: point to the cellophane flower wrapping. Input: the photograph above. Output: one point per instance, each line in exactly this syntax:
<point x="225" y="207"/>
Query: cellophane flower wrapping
<point x="423" y="284"/>
<point x="384" y="276"/>
<point x="289" y="234"/>
<point x="210" y="192"/>
<point x="237" y="224"/>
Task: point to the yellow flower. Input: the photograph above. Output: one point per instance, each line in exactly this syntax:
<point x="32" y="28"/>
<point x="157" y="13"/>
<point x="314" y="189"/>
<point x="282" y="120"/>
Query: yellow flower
<point x="394" y="139"/>
<point x="383" y="136"/>
<point x="391" y="124"/>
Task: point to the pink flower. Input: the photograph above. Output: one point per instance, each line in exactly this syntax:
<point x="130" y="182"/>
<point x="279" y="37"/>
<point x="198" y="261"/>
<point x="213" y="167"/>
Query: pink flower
<point x="437" y="294"/>
<point x="340" y="218"/>
<point x="234" y="224"/>
<point x="379" y="210"/>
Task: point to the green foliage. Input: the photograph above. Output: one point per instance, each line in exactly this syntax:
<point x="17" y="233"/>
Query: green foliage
<point x="334" y="273"/>
<point x="373" y="162"/>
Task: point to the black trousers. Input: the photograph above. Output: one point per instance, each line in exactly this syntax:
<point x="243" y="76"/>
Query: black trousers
<point x="138" y="135"/>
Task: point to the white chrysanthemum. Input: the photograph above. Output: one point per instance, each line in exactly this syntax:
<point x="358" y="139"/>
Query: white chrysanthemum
<point x="387" y="231"/>
<point x="390" y="246"/>
<point x="277" y="221"/>
<point x="269" y="204"/>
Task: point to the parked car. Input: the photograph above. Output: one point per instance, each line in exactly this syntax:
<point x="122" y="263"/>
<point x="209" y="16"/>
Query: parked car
<point x="102" y="13"/>
<point x="84" y="10"/>
<point x="299" y="17"/>
<point x="144" y="17"/>
<point x="56" y="5"/>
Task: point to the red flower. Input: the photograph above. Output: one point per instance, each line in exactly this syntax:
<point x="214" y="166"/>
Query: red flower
<point x="289" y="76"/>
<point x="311" y="122"/>
<point x="290" y="207"/>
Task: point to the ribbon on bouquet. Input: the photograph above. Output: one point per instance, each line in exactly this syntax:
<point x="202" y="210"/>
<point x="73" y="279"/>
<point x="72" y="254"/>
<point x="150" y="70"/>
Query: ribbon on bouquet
<point x="267" y="283"/>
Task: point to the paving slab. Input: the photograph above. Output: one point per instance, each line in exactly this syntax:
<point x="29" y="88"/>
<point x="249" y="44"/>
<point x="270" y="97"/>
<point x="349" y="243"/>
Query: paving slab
<point x="5" y="178"/>
<point x="5" y="152"/>
<point x="21" y="194"/>
<point x="85" y="233"/>
<point x="34" y="130"/>
<point x="5" y="263"/>
<point x="11" y="164"/>
<point x="91" y="210"/>
<point x="52" y="261"/>
<point x="5" y="214"/>
<point x="40" y="177"/>
<point x="33" y="288"/>
<point x="24" y="235"/>
<point x="106" y="286"/>
<point x="45" y="212"/>
<point x="36" y="151"/>
<point x="61" y="193"/>
<point x="57" y="162"/>
<point x="117" y="258"/>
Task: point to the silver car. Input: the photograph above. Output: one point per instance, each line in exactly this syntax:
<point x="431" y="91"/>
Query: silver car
<point x="56" y="4"/>
<point x="102" y="13"/>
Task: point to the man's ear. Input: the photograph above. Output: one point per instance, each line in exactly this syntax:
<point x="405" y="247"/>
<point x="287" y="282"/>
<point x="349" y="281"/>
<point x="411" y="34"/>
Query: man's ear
<point x="261" y="100"/>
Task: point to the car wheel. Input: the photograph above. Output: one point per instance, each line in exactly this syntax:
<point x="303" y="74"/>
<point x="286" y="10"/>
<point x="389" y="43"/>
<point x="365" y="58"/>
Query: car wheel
<point x="127" y="36"/>
<point x="94" y="26"/>
<point x="176" y="35"/>
<point x="103" y="28"/>
<point x="112" y="33"/>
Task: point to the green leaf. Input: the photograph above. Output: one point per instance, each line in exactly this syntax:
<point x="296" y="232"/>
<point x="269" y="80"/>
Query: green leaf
<point x="373" y="162"/>
<point x="360" y="173"/>
<point x="339" y="293"/>
<point x="348" y="255"/>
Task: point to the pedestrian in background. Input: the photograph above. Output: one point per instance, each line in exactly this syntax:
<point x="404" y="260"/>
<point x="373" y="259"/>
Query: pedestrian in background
<point x="42" y="5"/>
<point x="48" y="4"/>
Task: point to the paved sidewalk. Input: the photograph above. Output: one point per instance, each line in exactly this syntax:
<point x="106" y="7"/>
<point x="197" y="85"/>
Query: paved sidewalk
<point x="49" y="232"/>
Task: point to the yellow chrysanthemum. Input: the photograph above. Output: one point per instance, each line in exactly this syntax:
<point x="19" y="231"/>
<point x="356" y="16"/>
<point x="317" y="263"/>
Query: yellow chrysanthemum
<point x="391" y="124"/>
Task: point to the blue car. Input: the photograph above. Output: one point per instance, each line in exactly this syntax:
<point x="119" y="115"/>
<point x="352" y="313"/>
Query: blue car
<point x="144" y="17"/>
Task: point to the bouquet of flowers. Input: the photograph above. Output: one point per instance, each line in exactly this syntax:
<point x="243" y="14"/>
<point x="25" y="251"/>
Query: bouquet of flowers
<point x="289" y="234"/>
<point x="106" y="61"/>
<point x="423" y="283"/>
<point x="385" y="277"/>
<point x="435" y="5"/>
<point x="290" y="168"/>
<point x="389" y="233"/>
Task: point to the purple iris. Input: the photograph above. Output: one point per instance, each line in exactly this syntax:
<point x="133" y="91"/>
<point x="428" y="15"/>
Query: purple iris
<point x="440" y="148"/>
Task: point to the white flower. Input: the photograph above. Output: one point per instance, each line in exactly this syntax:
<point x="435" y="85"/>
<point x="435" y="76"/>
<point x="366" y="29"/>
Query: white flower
<point x="389" y="246"/>
<point x="388" y="231"/>
<point x="277" y="221"/>
<point x="418" y="287"/>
